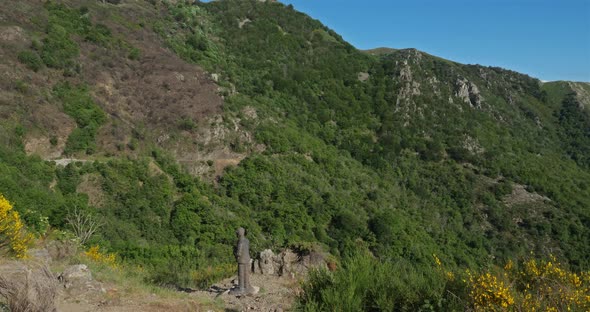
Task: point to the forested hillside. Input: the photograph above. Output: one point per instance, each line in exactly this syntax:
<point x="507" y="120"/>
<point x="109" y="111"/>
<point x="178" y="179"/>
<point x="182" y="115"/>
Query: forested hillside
<point x="180" y="122"/>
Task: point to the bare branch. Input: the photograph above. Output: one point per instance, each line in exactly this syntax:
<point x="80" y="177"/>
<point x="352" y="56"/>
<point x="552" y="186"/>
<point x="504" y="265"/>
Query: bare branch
<point x="83" y="224"/>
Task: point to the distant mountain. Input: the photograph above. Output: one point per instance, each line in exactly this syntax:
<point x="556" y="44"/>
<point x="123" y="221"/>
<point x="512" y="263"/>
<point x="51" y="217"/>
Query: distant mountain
<point x="180" y="122"/>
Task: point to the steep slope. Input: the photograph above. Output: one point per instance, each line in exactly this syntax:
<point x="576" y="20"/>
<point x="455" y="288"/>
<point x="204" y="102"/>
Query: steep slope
<point x="382" y="110"/>
<point x="146" y="93"/>
<point x="398" y="152"/>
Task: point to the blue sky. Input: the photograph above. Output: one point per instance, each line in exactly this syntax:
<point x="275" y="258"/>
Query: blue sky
<point x="547" y="39"/>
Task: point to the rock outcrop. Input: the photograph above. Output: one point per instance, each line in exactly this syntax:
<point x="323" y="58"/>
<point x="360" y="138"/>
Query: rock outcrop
<point x="363" y="76"/>
<point x="468" y="92"/>
<point x="77" y="281"/>
<point x="287" y="263"/>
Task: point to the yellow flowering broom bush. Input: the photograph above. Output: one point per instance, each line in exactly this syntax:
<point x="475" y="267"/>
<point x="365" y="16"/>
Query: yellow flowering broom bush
<point x="14" y="238"/>
<point x="548" y="286"/>
<point x="527" y="286"/>
<point x="533" y="285"/>
<point x="109" y="259"/>
<point x="488" y="292"/>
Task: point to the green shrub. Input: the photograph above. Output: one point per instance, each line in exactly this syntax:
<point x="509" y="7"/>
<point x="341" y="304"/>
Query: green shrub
<point x="31" y="59"/>
<point x="21" y="86"/>
<point x="58" y="49"/>
<point x="364" y="283"/>
<point x="78" y="104"/>
<point x="183" y="275"/>
<point x="134" y="54"/>
<point x="53" y="140"/>
<point x="502" y="188"/>
<point x="98" y="34"/>
<point x="187" y="124"/>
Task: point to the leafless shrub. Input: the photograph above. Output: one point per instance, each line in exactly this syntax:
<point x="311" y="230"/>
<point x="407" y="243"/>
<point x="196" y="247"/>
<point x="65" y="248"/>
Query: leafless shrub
<point x="83" y="224"/>
<point x="33" y="290"/>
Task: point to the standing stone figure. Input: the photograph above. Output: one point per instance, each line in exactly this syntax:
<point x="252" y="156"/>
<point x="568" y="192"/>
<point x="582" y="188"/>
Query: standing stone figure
<point x="242" y="253"/>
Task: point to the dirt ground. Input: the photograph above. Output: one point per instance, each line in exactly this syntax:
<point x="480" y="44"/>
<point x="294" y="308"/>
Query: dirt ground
<point x="275" y="294"/>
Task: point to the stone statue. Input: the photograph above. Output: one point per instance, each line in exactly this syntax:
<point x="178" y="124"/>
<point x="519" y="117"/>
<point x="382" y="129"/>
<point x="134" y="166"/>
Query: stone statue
<point x="242" y="253"/>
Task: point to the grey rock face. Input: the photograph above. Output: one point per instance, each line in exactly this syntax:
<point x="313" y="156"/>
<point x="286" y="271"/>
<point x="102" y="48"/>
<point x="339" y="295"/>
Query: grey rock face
<point x="468" y="92"/>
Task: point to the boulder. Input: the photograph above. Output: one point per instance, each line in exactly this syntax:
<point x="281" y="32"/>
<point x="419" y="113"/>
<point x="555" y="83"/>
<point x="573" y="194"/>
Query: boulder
<point x="78" y="274"/>
<point x="267" y="262"/>
<point x="78" y="283"/>
<point x="288" y="259"/>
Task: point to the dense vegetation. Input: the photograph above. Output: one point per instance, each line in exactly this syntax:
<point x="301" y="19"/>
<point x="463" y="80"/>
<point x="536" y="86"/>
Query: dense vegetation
<point x="397" y="163"/>
<point x="88" y="116"/>
<point x="367" y="284"/>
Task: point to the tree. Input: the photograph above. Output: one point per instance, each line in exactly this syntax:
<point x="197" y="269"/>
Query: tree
<point x="83" y="224"/>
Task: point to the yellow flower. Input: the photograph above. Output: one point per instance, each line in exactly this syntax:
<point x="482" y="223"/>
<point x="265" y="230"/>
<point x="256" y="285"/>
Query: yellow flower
<point x="488" y="293"/>
<point x="450" y="275"/>
<point x="508" y="265"/>
<point x="437" y="260"/>
<point x="97" y="256"/>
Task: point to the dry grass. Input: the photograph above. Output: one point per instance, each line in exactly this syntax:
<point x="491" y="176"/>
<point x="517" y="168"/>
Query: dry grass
<point x="36" y="292"/>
